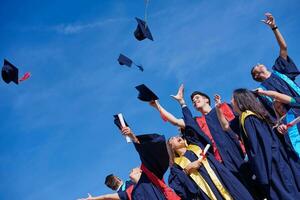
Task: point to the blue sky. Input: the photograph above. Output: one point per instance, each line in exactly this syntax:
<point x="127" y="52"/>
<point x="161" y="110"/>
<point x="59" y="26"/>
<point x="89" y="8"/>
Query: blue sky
<point x="57" y="137"/>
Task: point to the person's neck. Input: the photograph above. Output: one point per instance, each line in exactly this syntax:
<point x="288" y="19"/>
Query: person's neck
<point x="268" y="74"/>
<point x="119" y="187"/>
<point x="181" y="151"/>
<point x="205" y="109"/>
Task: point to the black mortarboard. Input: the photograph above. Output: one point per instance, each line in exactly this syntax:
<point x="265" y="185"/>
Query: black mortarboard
<point x="142" y="30"/>
<point x="145" y="94"/>
<point x="124" y="60"/>
<point x="10" y="72"/>
<point x="118" y="123"/>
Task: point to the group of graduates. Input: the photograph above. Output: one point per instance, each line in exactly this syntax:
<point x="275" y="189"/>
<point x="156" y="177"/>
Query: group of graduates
<point x="248" y="149"/>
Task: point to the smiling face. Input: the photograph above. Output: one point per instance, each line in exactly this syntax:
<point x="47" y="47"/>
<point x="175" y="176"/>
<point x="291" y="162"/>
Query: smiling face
<point x="259" y="72"/>
<point x="199" y="101"/>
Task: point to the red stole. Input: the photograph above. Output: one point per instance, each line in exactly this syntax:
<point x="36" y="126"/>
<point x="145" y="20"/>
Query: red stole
<point x="160" y="184"/>
<point x="129" y="191"/>
<point x="204" y="127"/>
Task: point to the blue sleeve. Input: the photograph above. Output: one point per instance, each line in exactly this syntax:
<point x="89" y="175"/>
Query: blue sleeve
<point x="286" y="67"/>
<point x="192" y="132"/>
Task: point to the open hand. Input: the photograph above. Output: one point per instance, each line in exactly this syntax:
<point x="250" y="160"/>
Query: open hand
<point x="270" y="21"/>
<point x="217" y="99"/>
<point x="179" y="95"/>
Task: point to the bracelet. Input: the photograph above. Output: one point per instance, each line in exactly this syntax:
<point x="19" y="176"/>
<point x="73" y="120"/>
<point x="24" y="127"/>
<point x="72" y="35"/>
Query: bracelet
<point x="274" y="28"/>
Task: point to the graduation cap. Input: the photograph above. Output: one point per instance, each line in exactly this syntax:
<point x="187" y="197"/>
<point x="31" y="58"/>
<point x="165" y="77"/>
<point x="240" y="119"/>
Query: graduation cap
<point x="10" y="73"/>
<point x="145" y="94"/>
<point x="124" y="60"/>
<point x="142" y="30"/>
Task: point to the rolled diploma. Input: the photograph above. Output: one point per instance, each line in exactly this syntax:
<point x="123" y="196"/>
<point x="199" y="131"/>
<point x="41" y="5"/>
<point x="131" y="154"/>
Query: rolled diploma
<point x="292" y="123"/>
<point x="120" y="116"/>
<point x="204" y="151"/>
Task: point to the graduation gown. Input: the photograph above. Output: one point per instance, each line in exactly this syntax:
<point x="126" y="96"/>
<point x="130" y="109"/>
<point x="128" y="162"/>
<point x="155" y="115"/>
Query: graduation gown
<point x="227" y="143"/>
<point x="153" y="154"/>
<point x="276" y="83"/>
<point x="122" y="191"/>
<point x="276" y="168"/>
<point x="185" y="187"/>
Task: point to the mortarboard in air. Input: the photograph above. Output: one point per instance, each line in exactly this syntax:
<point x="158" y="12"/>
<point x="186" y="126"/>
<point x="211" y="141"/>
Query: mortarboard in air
<point x="124" y="60"/>
<point x="118" y="123"/>
<point x="11" y="73"/>
<point x="145" y="94"/>
<point x="142" y="30"/>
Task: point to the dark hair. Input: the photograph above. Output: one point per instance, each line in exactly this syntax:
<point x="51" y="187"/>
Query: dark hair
<point x="201" y="94"/>
<point x="246" y="100"/>
<point x="110" y="181"/>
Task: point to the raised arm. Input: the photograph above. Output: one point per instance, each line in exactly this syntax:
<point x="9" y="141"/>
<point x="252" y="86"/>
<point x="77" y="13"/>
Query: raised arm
<point x="167" y="115"/>
<point x="126" y="131"/>
<point x="270" y="21"/>
<point x="113" y="196"/>
<point x="283" y="98"/>
<point x="222" y="119"/>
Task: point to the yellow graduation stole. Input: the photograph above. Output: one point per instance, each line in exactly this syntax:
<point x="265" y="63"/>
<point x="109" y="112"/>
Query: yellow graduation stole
<point x="243" y="117"/>
<point x="197" y="177"/>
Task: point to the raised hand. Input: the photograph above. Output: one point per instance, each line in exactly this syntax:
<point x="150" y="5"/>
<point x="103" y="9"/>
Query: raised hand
<point x="217" y="99"/>
<point x="179" y="96"/>
<point x="270" y="21"/>
<point x="154" y="103"/>
<point x="126" y="131"/>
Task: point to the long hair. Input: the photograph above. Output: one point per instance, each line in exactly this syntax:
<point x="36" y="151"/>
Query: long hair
<point x="246" y="100"/>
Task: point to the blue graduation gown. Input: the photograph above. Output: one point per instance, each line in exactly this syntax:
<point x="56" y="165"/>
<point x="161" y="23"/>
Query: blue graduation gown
<point x="153" y="154"/>
<point x="226" y="141"/>
<point x="185" y="187"/>
<point x="122" y="191"/>
<point x="275" y="83"/>
<point x="277" y="170"/>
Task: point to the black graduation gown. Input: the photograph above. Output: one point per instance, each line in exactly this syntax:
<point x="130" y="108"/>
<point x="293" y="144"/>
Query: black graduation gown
<point x="185" y="187"/>
<point x="153" y="154"/>
<point x="276" y="169"/>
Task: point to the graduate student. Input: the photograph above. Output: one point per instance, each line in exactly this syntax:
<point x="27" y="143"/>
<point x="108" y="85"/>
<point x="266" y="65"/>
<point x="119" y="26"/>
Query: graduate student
<point x="197" y="176"/>
<point x="284" y="72"/>
<point x="115" y="183"/>
<point x="225" y="144"/>
<point x="276" y="168"/>
<point x="286" y="114"/>
<point x="155" y="162"/>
